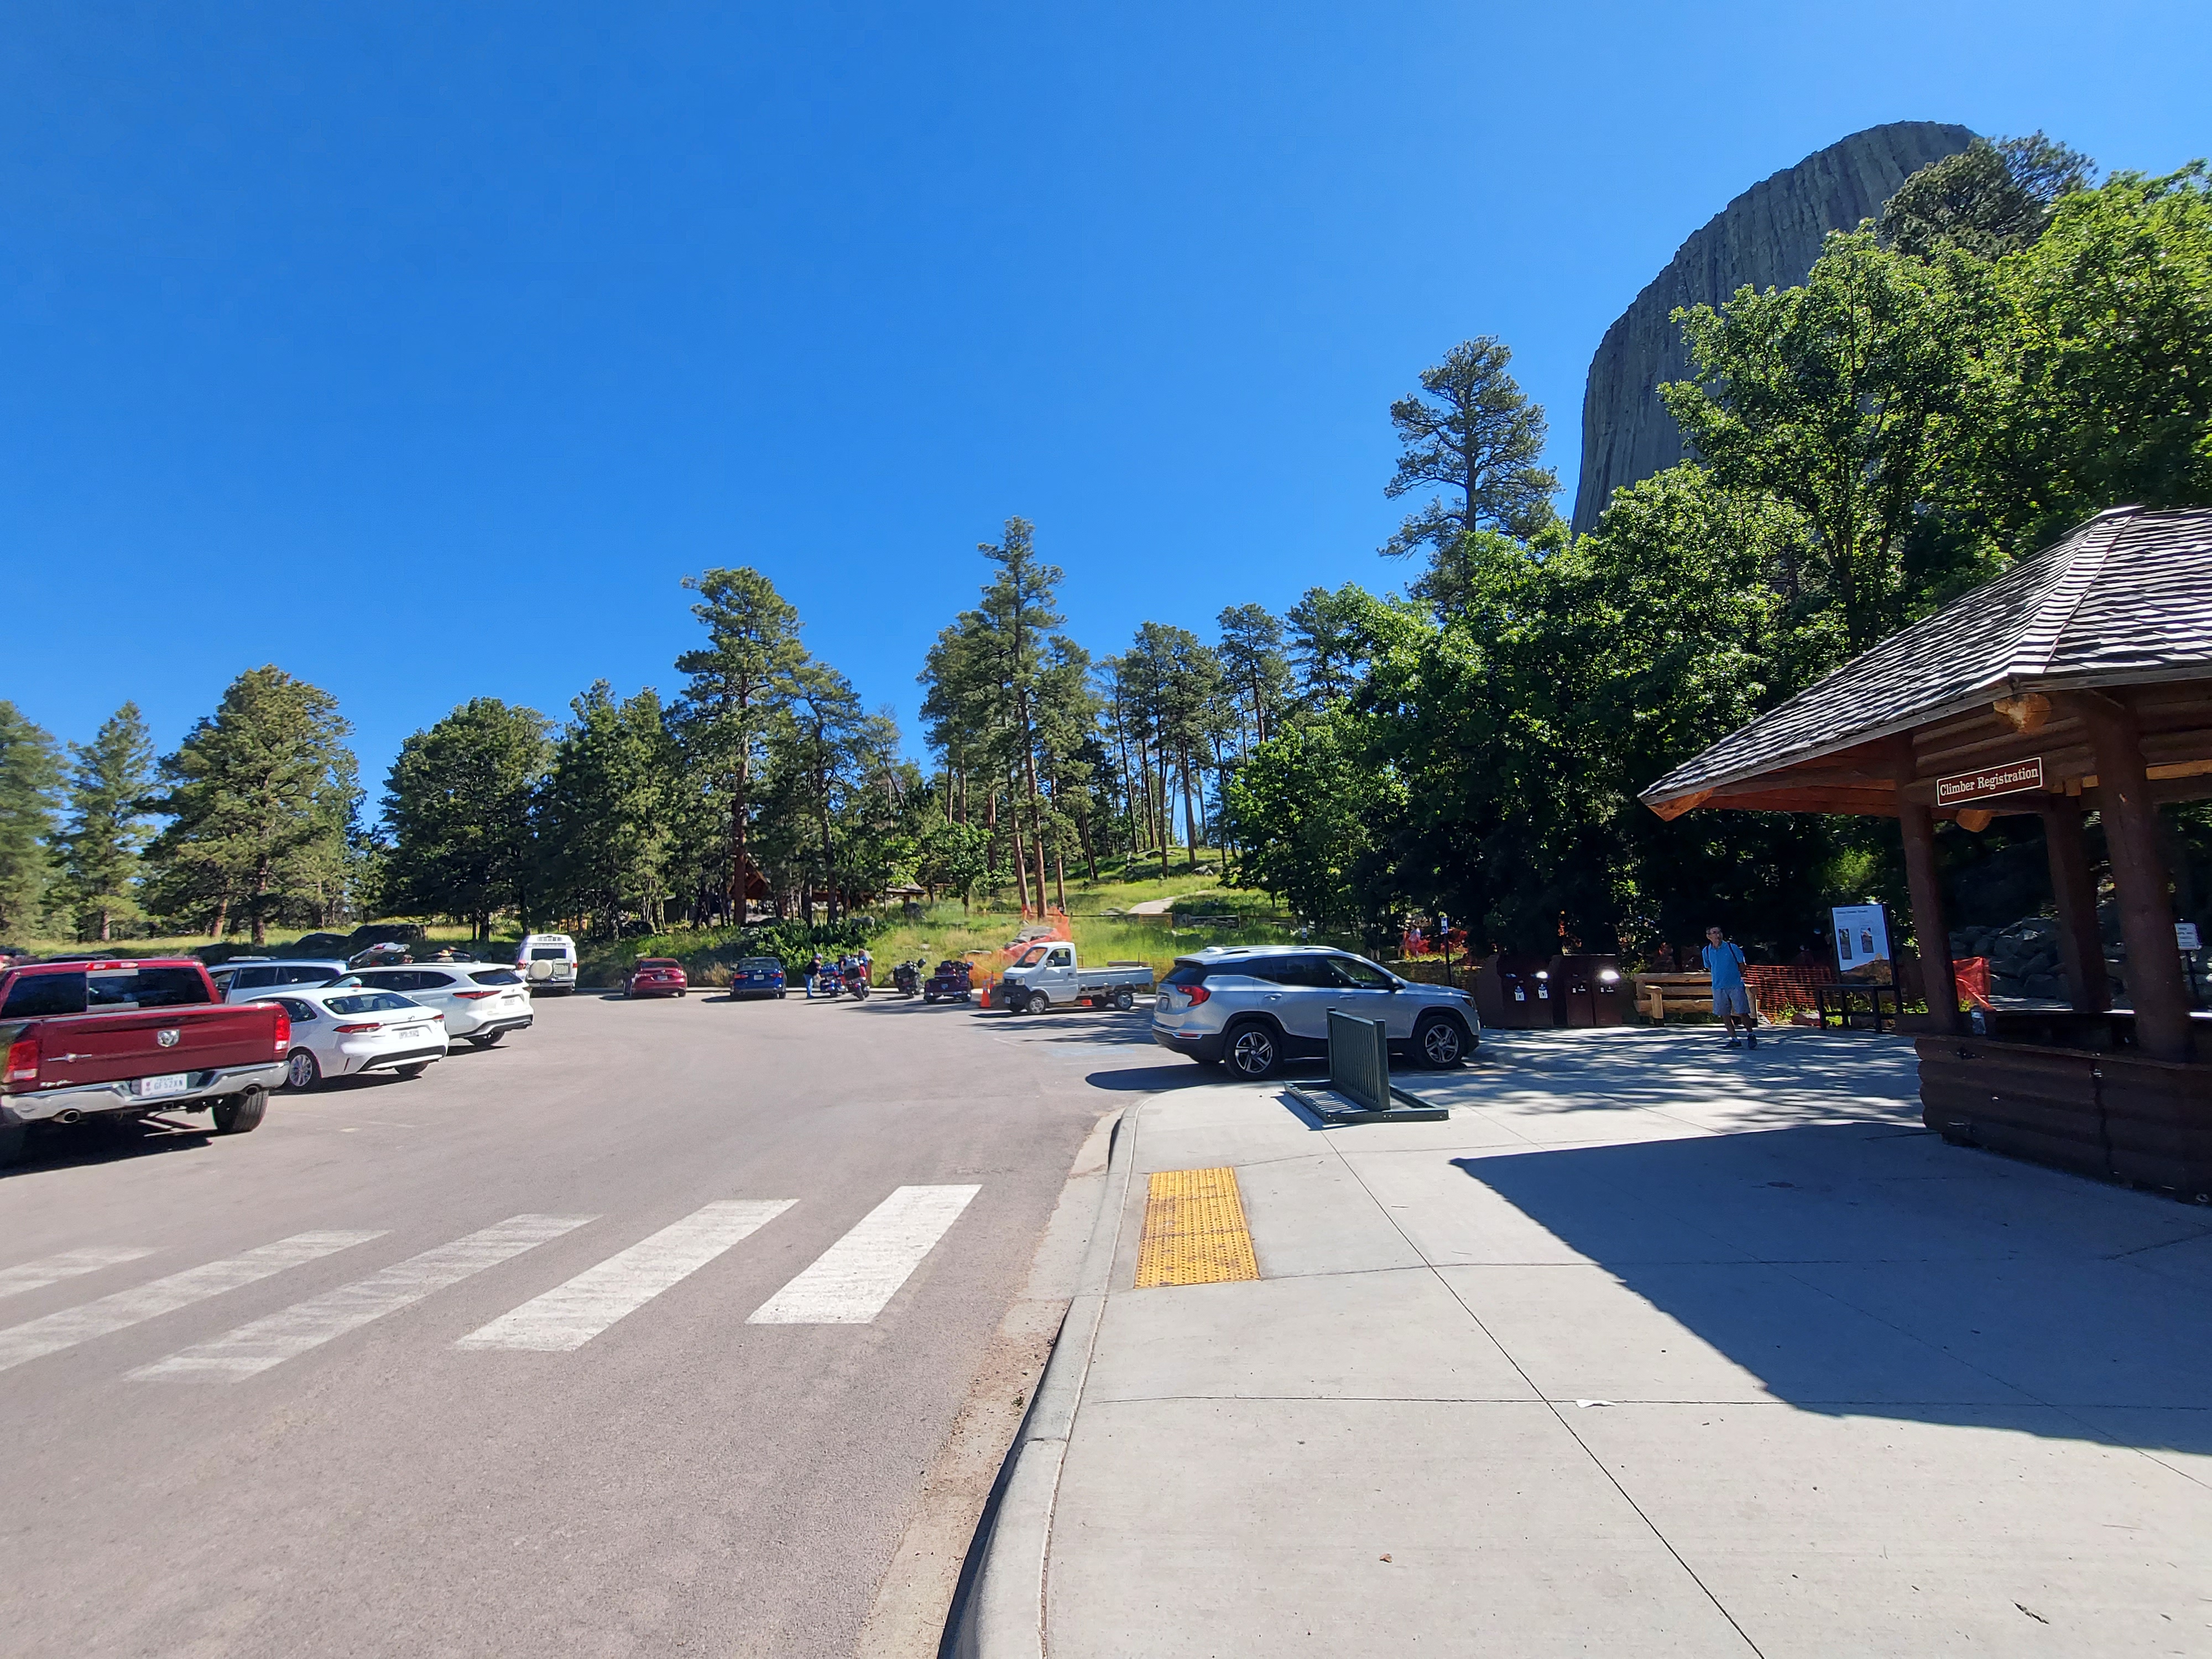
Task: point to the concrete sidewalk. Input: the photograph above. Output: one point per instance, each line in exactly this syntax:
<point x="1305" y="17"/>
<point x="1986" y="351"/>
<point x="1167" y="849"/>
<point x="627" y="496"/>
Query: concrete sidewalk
<point x="1653" y="1347"/>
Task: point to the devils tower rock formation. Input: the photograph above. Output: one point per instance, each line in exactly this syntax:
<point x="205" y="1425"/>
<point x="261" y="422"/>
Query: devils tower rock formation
<point x="1767" y="237"/>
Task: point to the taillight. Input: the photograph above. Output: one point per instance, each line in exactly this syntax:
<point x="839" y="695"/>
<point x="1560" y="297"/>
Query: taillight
<point x="283" y="1033"/>
<point x="348" y="1030"/>
<point x="23" y="1060"/>
<point x="475" y="996"/>
<point x="1197" y="993"/>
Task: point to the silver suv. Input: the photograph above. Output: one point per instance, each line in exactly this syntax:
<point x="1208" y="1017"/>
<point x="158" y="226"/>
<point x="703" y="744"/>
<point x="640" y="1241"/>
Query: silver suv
<point x="1253" y="1008"/>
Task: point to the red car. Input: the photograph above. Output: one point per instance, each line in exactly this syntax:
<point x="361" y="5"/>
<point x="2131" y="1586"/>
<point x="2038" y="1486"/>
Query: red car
<point x="656" y="976"/>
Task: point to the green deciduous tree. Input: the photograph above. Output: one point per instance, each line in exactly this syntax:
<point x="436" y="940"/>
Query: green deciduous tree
<point x="260" y="796"/>
<point x="100" y="846"/>
<point x="460" y="800"/>
<point x="2095" y="389"/>
<point x="1842" y="398"/>
<point x="30" y="772"/>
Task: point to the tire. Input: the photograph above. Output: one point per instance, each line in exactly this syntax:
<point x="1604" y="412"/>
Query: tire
<point x="408" y="1073"/>
<point x="1124" y="999"/>
<point x="1252" y="1051"/>
<point x="929" y="996"/>
<point x="302" y="1070"/>
<point x="1439" y="1043"/>
<point x="240" y="1114"/>
<point x="1036" y="1003"/>
<point x="488" y="1040"/>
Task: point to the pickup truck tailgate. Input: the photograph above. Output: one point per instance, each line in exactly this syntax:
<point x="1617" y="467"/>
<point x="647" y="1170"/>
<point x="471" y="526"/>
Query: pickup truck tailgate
<point x="111" y="1047"/>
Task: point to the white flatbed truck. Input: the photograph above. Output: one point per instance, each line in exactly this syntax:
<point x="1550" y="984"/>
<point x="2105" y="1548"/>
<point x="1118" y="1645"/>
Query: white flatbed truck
<point x="1046" y="976"/>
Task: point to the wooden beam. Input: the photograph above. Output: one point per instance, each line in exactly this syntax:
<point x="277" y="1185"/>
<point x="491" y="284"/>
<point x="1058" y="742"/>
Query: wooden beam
<point x="2081" y="937"/>
<point x="2139" y="875"/>
<point x="1931" y="928"/>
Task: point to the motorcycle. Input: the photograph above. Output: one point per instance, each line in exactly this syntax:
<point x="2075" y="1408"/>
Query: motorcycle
<point x="856" y="981"/>
<point x="907" y="976"/>
<point x="952" y="982"/>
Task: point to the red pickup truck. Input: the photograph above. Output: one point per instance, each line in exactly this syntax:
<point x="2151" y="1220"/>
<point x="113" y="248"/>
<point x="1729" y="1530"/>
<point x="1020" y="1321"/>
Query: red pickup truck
<point x="120" y="1040"/>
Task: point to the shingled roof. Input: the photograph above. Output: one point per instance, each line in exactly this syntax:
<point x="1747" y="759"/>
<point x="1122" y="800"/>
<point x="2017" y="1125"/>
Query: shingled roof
<point x="2125" y="599"/>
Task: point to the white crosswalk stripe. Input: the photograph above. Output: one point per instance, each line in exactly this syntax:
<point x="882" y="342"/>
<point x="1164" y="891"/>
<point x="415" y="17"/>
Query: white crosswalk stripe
<point x="849" y="1283"/>
<point x="52" y="1269"/>
<point x="113" y="1313"/>
<point x="569" y="1316"/>
<point x="281" y="1336"/>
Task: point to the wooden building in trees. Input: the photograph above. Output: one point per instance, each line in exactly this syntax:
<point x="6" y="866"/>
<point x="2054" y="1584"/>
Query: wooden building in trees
<point x="2078" y="682"/>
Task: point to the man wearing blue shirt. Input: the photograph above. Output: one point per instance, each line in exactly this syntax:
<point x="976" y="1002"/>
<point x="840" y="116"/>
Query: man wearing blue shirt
<point x="1731" y="1001"/>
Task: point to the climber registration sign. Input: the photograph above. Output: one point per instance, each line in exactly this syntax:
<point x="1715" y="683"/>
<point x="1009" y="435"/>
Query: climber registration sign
<point x="2009" y="778"/>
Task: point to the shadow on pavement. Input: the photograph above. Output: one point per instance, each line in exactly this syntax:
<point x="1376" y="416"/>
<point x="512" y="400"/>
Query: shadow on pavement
<point x="70" y="1146"/>
<point x="1858" y="1269"/>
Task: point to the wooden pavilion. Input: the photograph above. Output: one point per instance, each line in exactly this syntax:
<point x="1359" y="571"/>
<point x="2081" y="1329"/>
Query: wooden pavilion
<point x="2079" y="681"/>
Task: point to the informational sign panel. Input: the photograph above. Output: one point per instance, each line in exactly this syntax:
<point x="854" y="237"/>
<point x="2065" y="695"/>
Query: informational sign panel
<point x="2184" y="935"/>
<point x="1990" y="782"/>
<point x="1863" y="943"/>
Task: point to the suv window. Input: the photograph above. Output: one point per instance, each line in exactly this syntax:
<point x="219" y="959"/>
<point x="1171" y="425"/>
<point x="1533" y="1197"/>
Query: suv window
<point x="304" y="974"/>
<point x="145" y="987"/>
<point x="45" y="994"/>
<point x="1360" y="975"/>
<point x="247" y="979"/>
<point x="1183" y="973"/>
<point x="1311" y="972"/>
<point x="497" y="977"/>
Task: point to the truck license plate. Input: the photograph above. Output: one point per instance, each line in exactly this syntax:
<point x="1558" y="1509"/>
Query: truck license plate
<point x="174" y="1084"/>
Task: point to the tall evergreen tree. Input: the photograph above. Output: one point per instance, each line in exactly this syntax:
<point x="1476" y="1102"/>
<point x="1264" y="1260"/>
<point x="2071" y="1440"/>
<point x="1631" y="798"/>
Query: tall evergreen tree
<point x="260" y="797"/>
<point x="30" y="770"/>
<point x="107" y="828"/>
<point x="458" y="800"/>
<point x="1471" y="433"/>
<point x="738" y="685"/>
<point x="1252" y="662"/>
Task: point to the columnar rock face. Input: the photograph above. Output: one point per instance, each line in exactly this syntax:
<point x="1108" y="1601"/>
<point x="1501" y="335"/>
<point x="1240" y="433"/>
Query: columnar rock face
<point x="1768" y="237"/>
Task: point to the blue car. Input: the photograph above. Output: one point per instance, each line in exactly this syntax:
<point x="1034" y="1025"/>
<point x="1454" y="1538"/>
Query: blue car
<point x="758" y="977"/>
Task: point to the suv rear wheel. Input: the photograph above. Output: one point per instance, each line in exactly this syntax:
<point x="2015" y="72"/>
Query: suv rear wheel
<point x="1252" y="1051"/>
<point x="1440" y="1041"/>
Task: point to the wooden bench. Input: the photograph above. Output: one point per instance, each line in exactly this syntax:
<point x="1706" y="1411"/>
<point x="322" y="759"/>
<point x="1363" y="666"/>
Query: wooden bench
<point x="1659" y="995"/>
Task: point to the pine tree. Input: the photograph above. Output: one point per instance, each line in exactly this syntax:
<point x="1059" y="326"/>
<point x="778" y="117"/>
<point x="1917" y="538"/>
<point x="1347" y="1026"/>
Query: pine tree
<point x="459" y="801"/>
<point x="106" y="827"/>
<point x="260" y="799"/>
<point x="29" y="771"/>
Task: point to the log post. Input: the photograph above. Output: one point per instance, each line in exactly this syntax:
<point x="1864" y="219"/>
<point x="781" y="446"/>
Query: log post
<point x="2081" y="939"/>
<point x="1939" y="979"/>
<point x="2131" y="841"/>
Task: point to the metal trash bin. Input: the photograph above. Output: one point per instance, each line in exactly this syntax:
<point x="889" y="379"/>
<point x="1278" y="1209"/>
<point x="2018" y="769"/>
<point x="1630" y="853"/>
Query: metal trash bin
<point x="1513" y="994"/>
<point x="1588" y="990"/>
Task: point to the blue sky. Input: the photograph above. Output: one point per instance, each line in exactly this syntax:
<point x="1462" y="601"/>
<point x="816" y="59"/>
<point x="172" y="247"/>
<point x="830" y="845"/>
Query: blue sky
<point x="422" y="350"/>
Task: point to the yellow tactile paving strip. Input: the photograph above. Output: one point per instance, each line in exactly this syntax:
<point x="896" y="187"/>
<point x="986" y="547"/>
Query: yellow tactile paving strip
<point x="1194" y="1230"/>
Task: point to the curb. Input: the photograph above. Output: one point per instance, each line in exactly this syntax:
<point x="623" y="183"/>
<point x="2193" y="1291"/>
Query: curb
<point x="998" y="1611"/>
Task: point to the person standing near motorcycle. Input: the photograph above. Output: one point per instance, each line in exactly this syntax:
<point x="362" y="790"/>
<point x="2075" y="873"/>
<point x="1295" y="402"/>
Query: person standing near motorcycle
<point x="813" y="974"/>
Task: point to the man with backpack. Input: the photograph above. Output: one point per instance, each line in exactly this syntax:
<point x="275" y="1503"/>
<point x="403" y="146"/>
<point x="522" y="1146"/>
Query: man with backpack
<point x="1723" y="960"/>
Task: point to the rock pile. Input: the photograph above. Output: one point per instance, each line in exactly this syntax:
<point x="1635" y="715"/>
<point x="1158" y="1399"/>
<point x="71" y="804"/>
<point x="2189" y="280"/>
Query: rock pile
<point x="2023" y="957"/>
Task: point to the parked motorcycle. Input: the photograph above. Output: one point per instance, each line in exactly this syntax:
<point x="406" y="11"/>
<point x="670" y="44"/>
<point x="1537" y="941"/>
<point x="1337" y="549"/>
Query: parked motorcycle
<point x="856" y="981"/>
<point x="952" y="982"/>
<point x="907" y="976"/>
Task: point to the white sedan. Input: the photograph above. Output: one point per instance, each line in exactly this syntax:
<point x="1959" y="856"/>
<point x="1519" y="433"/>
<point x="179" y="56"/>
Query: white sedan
<point x="344" y="1031"/>
<point x="481" y="1000"/>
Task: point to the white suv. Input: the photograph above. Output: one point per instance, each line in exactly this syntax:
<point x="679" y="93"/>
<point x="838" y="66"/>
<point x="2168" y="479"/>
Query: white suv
<point x="549" y="962"/>
<point x="1251" y="1007"/>
<point x="480" y="1000"/>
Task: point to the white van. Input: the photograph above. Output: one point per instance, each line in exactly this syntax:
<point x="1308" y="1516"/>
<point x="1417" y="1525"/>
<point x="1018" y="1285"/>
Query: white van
<point x="548" y="961"/>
